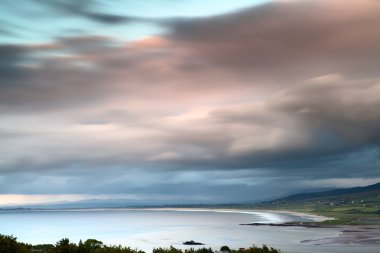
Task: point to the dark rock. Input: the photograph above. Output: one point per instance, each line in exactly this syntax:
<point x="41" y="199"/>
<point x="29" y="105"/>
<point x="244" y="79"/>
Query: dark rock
<point x="192" y="243"/>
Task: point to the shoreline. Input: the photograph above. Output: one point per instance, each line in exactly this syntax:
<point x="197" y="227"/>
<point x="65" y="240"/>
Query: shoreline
<point x="368" y="235"/>
<point x="338" y="234"/>
<point x="314" y="217"/>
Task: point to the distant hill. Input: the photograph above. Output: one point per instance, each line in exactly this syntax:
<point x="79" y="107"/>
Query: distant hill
<point x="359" y="205"/>
<point x="334" y="193"/>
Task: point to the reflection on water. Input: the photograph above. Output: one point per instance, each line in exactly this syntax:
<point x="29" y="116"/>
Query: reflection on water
<point x="146" y="229"/>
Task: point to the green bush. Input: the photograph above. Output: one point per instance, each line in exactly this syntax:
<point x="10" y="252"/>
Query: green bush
<point x="9" y="244"/>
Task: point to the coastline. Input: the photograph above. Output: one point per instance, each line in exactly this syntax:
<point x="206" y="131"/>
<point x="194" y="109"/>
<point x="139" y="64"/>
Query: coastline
<point x="312" y="217"/>
<point x="307" y="228"/>
<point x="368" y="235"/>
<point x="352" y="235"/>
<point x="269" y="215"/>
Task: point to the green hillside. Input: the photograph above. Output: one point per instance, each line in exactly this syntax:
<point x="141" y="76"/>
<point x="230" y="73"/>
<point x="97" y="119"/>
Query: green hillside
<point x="348" y="207"/>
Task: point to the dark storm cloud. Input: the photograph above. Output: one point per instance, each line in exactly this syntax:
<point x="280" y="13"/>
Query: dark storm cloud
<point x="336" y="115"/>
<point x="287" y="91"/>
<point x="52" y="76"/>
<point x="289" y="40"/>
<point x="82" y="69"/>
<point x="348" y="108"/>
<point x="160" y="184"/>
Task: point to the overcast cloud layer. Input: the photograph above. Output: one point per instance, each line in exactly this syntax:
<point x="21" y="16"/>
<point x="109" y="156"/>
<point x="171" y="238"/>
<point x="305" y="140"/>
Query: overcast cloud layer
<point x="237" y="106"/>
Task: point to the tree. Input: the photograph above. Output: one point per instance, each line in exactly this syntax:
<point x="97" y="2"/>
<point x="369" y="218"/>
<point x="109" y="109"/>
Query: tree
<point x="64" y="246"/>
<point x="81" y="248"/>
<point x="92" y="244"/>
<point x="225" y="249"/>
<point x="9" y="244"/>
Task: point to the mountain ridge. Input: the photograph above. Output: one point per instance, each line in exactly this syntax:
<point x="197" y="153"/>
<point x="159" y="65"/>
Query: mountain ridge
<point x="329" y="193"/>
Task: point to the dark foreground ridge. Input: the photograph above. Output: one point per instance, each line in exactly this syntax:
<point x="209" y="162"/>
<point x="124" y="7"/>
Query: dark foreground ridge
<point x="9" y="244"/>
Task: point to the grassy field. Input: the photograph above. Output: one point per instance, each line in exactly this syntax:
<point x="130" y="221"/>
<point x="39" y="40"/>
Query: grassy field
<point x="359" y="208"/>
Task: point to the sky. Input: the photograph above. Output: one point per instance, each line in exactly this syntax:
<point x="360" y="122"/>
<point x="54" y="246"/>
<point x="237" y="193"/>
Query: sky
<point x="186" y="102"/>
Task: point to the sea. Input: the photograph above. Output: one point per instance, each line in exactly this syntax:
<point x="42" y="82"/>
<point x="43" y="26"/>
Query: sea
<point x="146" y="229"/>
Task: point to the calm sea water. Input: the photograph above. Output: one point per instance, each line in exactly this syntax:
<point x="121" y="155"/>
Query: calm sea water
<point x="145" y="229"/>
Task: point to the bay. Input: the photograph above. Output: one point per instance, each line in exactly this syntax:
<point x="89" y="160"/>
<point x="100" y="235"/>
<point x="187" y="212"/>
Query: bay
<point x="148" y="228"/>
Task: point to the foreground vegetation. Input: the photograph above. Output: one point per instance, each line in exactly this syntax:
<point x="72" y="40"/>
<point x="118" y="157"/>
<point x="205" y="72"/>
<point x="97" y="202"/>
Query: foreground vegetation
<point x="9" y="244"/>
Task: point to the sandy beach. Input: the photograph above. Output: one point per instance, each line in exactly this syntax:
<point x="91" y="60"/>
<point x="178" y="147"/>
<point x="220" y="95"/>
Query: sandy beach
<point x="349" y="234"/>
<point x="360" y="235"/>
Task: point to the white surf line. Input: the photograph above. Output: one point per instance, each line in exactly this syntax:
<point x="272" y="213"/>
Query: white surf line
<point x="314" y="217"/>
<point x="268" y="216"/>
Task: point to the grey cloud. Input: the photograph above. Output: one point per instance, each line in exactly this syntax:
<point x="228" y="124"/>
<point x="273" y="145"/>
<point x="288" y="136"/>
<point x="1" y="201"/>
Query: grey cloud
<point x="85" y="44"/>
<point x="11" y="56"/>
<point x="335" y="117"/>
<point x="31" y="82"/>
<point x="96" y="68"/>
<point x="290" y="40"/>
<point x="107" y="18"/>
<point x="350" y="109"/>
<point x="86" y="10"/>
<point x="254" y="91"/>
<point x="5" y="31"/>
<point x="219" y="185"/>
